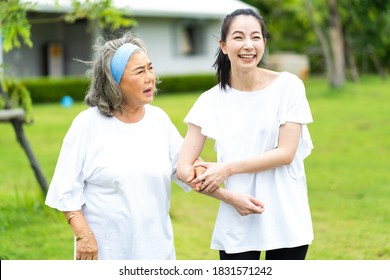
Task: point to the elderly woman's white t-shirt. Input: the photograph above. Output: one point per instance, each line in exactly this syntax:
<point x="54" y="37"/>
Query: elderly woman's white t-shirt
<point x="120" y="175"/>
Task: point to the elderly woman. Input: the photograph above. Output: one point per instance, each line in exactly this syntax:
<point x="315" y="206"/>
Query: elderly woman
<point x="114" y="171"/>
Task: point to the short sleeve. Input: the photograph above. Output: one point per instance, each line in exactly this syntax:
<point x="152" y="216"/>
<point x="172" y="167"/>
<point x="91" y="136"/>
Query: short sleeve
<point x="175" y="143"/>
<point x="66" y="188"/>
<point x="202" y="114"/>
<point x="295" y="108"/>
<point x="294" y="104"/>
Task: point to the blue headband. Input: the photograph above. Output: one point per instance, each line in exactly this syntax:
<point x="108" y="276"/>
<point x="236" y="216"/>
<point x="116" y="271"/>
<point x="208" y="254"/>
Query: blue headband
<point x="120" y="59"/>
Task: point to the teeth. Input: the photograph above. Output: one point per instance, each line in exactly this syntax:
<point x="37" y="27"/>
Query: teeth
<point x="247" y="56"/>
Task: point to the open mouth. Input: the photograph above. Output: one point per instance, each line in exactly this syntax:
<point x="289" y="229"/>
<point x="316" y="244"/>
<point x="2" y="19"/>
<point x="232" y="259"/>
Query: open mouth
<point x="149" y="91"/>
<point x="247" y="56"/>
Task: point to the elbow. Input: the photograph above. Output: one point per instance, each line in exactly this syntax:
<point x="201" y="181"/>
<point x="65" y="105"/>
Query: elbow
<point x="180" y="174"/>
<point x="288" y="158"/>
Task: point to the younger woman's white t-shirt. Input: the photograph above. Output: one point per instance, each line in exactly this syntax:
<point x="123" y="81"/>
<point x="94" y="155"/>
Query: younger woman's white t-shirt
<point x="245" y="124"/>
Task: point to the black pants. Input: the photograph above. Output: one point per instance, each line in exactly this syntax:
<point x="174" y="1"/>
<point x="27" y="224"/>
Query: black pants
<point x="296" y="253"/>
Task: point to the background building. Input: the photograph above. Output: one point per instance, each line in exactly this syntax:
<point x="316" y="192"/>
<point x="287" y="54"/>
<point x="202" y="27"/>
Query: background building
<point x="181" y="37"/>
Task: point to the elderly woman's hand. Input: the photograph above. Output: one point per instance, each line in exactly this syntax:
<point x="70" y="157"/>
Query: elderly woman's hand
<point x="86" y="247"/>
<point x="195" y="172"/>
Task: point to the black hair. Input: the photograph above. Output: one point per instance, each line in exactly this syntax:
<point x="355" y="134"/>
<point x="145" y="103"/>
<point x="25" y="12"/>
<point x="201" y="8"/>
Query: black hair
<point x="222" y="62"/>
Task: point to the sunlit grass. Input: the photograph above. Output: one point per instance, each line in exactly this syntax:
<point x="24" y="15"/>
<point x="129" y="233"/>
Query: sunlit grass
<point x="347" y="173"/>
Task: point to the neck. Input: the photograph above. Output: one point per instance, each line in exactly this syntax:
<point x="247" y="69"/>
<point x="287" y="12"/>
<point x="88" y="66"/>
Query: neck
<point x="130" y="115"/>
<point x="246" y="80"/>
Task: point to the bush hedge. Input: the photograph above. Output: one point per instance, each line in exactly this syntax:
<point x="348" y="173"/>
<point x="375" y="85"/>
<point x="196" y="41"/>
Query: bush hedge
<point x="51" y="90"/>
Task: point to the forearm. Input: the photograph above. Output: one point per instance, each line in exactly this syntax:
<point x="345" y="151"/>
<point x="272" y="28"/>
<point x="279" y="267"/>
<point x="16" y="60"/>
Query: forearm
<point x="243" y="203"/>
<point x="220" y="194"/>
<point x="183" y="171"/>
<point x="86" y="244"/>
<point x="77" y="222"/>
<point x="190" y="152"/>
<point x="283" y="154"/>
<point x="259" y="163"/>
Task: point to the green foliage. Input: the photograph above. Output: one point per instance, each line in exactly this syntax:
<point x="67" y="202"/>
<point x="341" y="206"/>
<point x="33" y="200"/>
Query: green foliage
<point x="186" y="83"/>
<point x="365" y="22"/>
<point x="101" y="12"/>
<point x="287" y="24"/>
<point x="46" y="90"/>
<point x="347" y="173"/>
<point x="17" y="97"/>
<point x="14" y="24"/>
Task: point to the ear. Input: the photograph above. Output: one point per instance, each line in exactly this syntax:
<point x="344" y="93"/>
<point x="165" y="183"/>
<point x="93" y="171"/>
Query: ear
<point x="223" y="46"/>
<point x="265" y="42"/>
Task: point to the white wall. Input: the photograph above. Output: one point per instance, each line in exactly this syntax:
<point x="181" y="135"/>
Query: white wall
<point x="159" y="34"/>
<point x="75" y="42"/>
<point x="160" y="37"/>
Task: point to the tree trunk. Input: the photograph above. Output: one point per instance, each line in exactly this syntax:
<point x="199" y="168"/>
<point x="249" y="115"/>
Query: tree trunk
<point x="351" y="60"/>
<point x="323" y="41"/>
<point x="336" y="39"/>
<point x="376" y="62"/>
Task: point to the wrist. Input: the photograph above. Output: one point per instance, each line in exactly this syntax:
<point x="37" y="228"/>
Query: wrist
<point x="224" y="195"/>
<point x="81" y="236"/>
<point x="231" y="168"/>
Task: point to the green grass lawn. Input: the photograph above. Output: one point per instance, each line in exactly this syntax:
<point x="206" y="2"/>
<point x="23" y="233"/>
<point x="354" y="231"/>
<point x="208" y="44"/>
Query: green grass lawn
<point x="348" y="179"/>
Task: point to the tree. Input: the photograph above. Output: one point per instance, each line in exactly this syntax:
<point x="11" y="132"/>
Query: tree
<point x="14" y="26"/>
<point x="15" y="29"/>
<point x="367" y="35"/>
<point x="332" y="41"/>
<point x="347" y="32"/>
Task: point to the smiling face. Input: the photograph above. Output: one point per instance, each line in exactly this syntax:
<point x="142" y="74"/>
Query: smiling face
<point x="244" y="43"/>
<point x="138" y="81"/>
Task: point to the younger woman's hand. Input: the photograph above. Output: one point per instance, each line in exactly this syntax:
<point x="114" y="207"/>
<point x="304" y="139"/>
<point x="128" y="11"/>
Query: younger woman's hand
<point x="246" y="204"/>
<point x="213" y="176"/>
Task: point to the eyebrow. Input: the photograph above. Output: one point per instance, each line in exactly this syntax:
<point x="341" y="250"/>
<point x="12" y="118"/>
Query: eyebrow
<point x="240" y="32"/>
<point x="141" y="66"/>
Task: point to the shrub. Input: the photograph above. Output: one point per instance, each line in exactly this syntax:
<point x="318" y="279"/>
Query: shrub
<point x="44" y="90"/>
<point x="186" y="83"/>
<point x="51" y="90"/>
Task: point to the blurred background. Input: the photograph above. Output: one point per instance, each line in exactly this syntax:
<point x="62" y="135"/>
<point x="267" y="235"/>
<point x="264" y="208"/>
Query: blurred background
<point x="340" y="49"/>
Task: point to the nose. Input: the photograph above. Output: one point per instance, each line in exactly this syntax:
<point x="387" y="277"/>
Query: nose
<point x="149" y="76"/>
<point x="248" y="44"/>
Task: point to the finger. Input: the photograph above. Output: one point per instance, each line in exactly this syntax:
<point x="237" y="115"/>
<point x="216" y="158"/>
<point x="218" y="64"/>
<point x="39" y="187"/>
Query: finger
<point x="196" y="181"/>
<point x="209" y="188"/>
<point x="198" y="187"/>
<point x="258" y="210"/>
<point x="242" y="213"/>
<point x="202" y="164"/>
<point x="192" y="175"/>
<point x="203" y="187"/>
<point x="199" y="171"/>
<point x="214" y="188"/>
<point x="256" y="202"/>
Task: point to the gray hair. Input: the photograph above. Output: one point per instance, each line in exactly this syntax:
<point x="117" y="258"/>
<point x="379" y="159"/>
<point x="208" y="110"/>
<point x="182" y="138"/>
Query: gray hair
<point x="103" y="91"/>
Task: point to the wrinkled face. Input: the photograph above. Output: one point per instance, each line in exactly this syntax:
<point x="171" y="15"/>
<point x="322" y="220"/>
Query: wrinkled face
<point x="138" y="81"/>
<point x="244" y="44"/>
